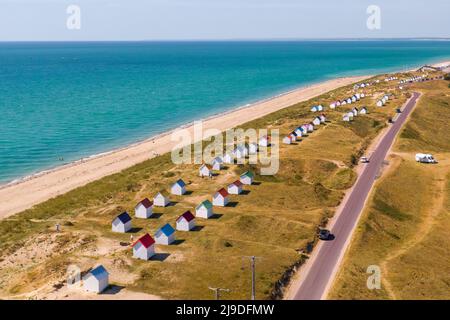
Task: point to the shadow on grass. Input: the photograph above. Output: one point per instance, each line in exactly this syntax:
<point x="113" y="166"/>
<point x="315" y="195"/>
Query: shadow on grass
<point x="232" y="204"/>
<point x="155" y="215"/>
<point x="197" y="228"/>
<point x="245" y="192"/>
<point x="188" y="193"/>
<point x="216" y="216"/>
<point x="160" y="256"/>
<point x="177" y="242"/>
<point x="134" y="230"/>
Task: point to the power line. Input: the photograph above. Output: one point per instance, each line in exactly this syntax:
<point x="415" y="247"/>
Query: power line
<point x="253" y="267"/>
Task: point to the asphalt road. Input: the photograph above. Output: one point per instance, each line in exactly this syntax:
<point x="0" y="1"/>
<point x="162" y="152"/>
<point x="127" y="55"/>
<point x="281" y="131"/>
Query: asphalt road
<point x="314" y="283"/>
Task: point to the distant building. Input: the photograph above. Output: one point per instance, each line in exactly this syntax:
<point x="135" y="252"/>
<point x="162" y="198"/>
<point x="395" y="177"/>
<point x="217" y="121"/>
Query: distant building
<point x="204" y="210"/>
<point x="228" y="158"/>
<point x="97" y="280"/>
<point x="323" y="118"/>
<point x="316" y="121"/>
<point x="144" y="209"/>
<point x="185" y="222"/>
<point x="122" y="223"/>
<point x="178" y="188"/>
<point x="363" y="110"/>
<point x="287" y="140"/>
<point x="355" y="111"/>
<point x="217" y="163"/>
<point x="165" y="235"/>
<point x="144" y="247"/>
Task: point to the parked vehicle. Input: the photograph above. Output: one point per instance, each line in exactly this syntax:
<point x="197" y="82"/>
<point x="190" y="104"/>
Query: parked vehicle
<point x="324" y="234"/>
<point x="425" y="158"/>
<point x="364" y="160"/>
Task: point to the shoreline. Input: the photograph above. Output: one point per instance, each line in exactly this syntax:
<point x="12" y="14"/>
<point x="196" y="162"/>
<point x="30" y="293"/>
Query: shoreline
<point x="162" y="134"/>
<point x="21" y="194"/>
<point x="156" y="136"/>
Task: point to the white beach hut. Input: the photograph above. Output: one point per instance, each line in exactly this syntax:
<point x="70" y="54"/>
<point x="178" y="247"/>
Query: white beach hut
<point x="287" y="140"/>
<point x="310" y="127"/>
<point x="343" y="103"/>
<point x="96" y="280"/>
<point x="253" y="148"/>
<point x="216" y="165"/>
<point x="264" y="141"/>
<point x="333" y="105"/>
<point x="235" y="187"/>
<point x="298" y="132"/>
<point x="247" y="178"/>
<point x="355" y="111"/>
<point x="293" y="136"/>
<point x="354" y="99"/>
<point x="178" y="188"/>
<point x="122" y="223"/>
<point x="323" y="118"/>
<point x="205" y="170"/>
<point x="363" y="110"/>
<point x="349" y="101"/>
<point x="220" y="198"/>
<point x="204" y="210"/>
<point x="316" y="121"/>
<point x="144" y="247"/>
<point x="161" y="199"/>
<point x="165" y="235"/>
<point x="314" y="109"/>
<point x="228" y="158"/>
<point x="379" y="103"/>
<point x="185" y="222"/>
<point x="144" y="209"/>
<point x="362" y="95"/>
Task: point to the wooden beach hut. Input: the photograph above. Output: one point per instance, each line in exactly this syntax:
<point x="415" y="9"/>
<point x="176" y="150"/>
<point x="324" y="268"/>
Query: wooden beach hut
<point x="220" y="198"/>
<point x="204" y="210"/>
<point x="96" y="280"/>
<point x="144" y="209"/>
<point x="144" y="247"/>
<point x="165" y="235"/>
<point x="161" y="199"/>
<point x="122" y="223"/>
<point x="247" y="178"/>
<point x="185" y="222"/>
<point x="235" y="187"/>
<point x="178" y="188"/>
<point x="287" y="140"/>
<point x="205" y="171"/>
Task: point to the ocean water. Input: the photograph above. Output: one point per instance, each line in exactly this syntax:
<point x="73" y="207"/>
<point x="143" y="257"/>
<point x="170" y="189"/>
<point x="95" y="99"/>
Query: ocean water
<point x="72" y="100"/>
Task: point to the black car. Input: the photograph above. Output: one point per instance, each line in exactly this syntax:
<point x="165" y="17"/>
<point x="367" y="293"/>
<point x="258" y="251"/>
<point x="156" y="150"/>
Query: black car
<point x="324" y="234"/>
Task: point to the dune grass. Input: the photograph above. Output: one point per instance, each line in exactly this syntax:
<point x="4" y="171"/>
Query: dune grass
<point x="404" y="229"/>
<point x="277" y="217"/>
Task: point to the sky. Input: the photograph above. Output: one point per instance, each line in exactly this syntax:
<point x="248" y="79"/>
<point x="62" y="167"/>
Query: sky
<point x="46" y="20"/>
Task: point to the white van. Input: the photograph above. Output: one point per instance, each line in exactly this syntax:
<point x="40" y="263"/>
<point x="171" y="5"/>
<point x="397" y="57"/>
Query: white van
<point x="425" y="158"/>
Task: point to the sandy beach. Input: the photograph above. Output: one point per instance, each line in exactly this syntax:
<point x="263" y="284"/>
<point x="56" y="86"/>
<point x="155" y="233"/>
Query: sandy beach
<point x="26" y="193"/>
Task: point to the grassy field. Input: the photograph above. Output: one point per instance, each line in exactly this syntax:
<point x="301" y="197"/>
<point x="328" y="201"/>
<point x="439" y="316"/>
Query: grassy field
<point x="404" y="229"/>
<point x="275" y="219"/>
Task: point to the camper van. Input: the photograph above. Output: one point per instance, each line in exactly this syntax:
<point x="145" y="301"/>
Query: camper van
<point x="425" y="158"/>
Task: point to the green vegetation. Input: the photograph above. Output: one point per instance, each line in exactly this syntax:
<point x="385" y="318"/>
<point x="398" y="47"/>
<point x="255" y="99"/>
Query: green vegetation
<point x="275" y="219"/>
<point x="404" y="229"/>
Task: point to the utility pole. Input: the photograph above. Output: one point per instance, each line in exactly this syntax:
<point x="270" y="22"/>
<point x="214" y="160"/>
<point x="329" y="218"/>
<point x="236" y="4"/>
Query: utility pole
<point x="253" y="265"/>
<point x="217" y="292"/>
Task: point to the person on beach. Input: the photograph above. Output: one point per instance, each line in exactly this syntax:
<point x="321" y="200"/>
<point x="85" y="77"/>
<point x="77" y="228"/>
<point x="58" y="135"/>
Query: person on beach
<point x="58" y="227"/>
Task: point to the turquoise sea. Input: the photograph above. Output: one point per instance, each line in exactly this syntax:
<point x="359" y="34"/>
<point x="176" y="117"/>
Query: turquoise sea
<point x="72" y="100"/>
